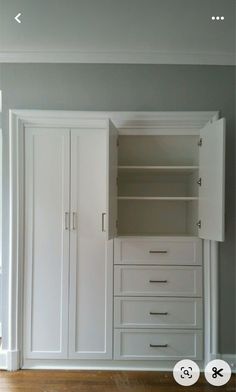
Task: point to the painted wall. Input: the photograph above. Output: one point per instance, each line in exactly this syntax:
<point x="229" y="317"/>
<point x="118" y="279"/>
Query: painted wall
<point x="136" y="87"/>
<point x="176" y="30"/>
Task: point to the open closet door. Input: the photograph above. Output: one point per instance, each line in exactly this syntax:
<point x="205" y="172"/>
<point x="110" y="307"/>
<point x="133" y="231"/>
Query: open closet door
<point x="212" y="174"/>
<point x="112" y="178"/>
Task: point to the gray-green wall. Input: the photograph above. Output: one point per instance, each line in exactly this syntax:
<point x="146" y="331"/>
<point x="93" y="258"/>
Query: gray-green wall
<point x="137" y="88"/>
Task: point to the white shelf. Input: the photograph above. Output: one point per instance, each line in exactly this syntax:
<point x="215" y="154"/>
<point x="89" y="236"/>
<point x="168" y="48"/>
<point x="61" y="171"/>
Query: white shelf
<point x="181" y="169"/>
<point x="157" y="198"/>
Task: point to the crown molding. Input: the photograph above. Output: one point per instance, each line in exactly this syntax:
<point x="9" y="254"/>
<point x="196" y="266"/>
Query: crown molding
<point x="120" y="57"/>
<point x="131" y="122"/>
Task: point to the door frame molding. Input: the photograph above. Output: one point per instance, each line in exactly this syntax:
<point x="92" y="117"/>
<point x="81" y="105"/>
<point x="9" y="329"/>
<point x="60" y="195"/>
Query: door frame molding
<point x="170" y="123"/>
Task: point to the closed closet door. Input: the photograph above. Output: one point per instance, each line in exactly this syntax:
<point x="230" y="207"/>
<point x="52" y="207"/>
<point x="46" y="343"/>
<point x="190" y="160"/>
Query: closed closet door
<point x="90" y="272"/>
<point x="46" y="243"/>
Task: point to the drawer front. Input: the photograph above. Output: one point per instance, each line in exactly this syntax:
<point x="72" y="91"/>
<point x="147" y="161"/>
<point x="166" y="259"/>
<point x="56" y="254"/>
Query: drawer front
<point x="158" y="281"/>
<point x="131" y="344"/>
<point x="131" y="312"/>
<point x="158" y="251"/>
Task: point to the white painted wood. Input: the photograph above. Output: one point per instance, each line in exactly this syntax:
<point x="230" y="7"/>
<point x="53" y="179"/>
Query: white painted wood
<point x="170" y="169"/>
<point x="155" y="218"/>
<point x="143" y="312"/>
<point x="89" y="335"/>
<point x="158" y="184"/>
<point x="156" y="198"/>
<point x="158" y="150"/>
<point x="179" y="250"/>
<point x="135" y="344"/>
<point x="177" y="281"/>
<point x="112" y="155"/>
<point x="212" y="172"/>
<point x="136" y="123"/>
<point x="208" y="327"/>
<point x="89" y="364"/>
<point x="144" y="123"/>
<point x="214" y="299"/>
<point x="46" y="243"/>
<point x="3" y="360"/>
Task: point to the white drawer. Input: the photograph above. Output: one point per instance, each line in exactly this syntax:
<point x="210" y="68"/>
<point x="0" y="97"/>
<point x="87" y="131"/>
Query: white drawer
<point x="131" y="344"/>
<point x="137" y="250"/>
<point x="131" y="312"/>
<point x="158" y="281"/>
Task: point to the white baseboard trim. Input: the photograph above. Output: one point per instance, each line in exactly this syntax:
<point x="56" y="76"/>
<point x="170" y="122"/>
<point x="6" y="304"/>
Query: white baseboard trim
<point x="3" y="360"/>
<point x="12" y="360"/>
<point x="115" y="365"/>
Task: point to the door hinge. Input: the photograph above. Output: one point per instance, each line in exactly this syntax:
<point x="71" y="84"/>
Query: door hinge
<point x="117" y="181"/>
<point x="117" y="223"/>
<point x="199" y="181"/>
<point x="199" y="224"/>
<point x="117" y="142"/>
<point x="200" y="142"/>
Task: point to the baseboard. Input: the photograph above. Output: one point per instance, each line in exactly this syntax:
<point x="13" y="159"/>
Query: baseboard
<point x="3" y="359"/>
<point x="114" y="365"/>
<point x="12" y="360"/>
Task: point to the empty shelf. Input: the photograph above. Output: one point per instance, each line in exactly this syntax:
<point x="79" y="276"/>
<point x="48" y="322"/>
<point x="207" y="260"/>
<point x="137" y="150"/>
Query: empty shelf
<point x="182" y="169"/>
<point x="156" y="198"/>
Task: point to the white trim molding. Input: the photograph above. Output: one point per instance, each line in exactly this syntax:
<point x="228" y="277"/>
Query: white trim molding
<point x="172" y="123"/>
<point x="3" y="360"/>
<point x="119" y="57"/>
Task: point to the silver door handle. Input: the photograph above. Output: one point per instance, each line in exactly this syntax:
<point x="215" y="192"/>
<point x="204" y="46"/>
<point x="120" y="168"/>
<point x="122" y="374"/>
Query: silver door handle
<point x="103" y="221"/>
<point x="67" y="220"/>
<point x="158" y="313"/>
<point x="74" y="221"/>
<point x="157" y="281"/>
<point x="158" y="251"/>
<point x="158" y="345"/>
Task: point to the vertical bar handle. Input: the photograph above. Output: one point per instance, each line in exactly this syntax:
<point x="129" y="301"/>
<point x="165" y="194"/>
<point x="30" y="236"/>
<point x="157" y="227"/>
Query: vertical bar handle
<point x="67" y="220"/>
<point x="74" y="220"/>
<point x="103" y="221"/>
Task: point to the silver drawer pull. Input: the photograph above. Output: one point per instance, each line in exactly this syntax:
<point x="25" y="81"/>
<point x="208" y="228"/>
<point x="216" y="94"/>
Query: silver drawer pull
<point x="157" y="281"/>
<point x="158" y="251"/>
<point x="158" y="313"/>
<point x="158" y="345"/>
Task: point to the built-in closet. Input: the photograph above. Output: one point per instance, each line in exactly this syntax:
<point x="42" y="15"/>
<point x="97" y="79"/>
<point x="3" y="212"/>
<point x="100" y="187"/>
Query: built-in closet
<point x="116" y="216"/>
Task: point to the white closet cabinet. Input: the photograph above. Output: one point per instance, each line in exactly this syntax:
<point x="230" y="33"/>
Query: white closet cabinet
<point x="134" y="209"/>
<point x="68" y="256"/>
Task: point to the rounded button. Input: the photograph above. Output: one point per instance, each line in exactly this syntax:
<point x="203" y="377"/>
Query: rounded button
<point x="186" y="372"/>
<point x="217" y="372"/>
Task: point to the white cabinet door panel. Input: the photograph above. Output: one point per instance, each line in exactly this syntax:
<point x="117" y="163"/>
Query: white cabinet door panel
<point x="212" y="173"/>
<point x="46" y="243"/>
<point x="90" y="256"/>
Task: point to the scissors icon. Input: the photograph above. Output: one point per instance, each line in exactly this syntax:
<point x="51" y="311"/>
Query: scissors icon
<point x="217" y="372"/>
